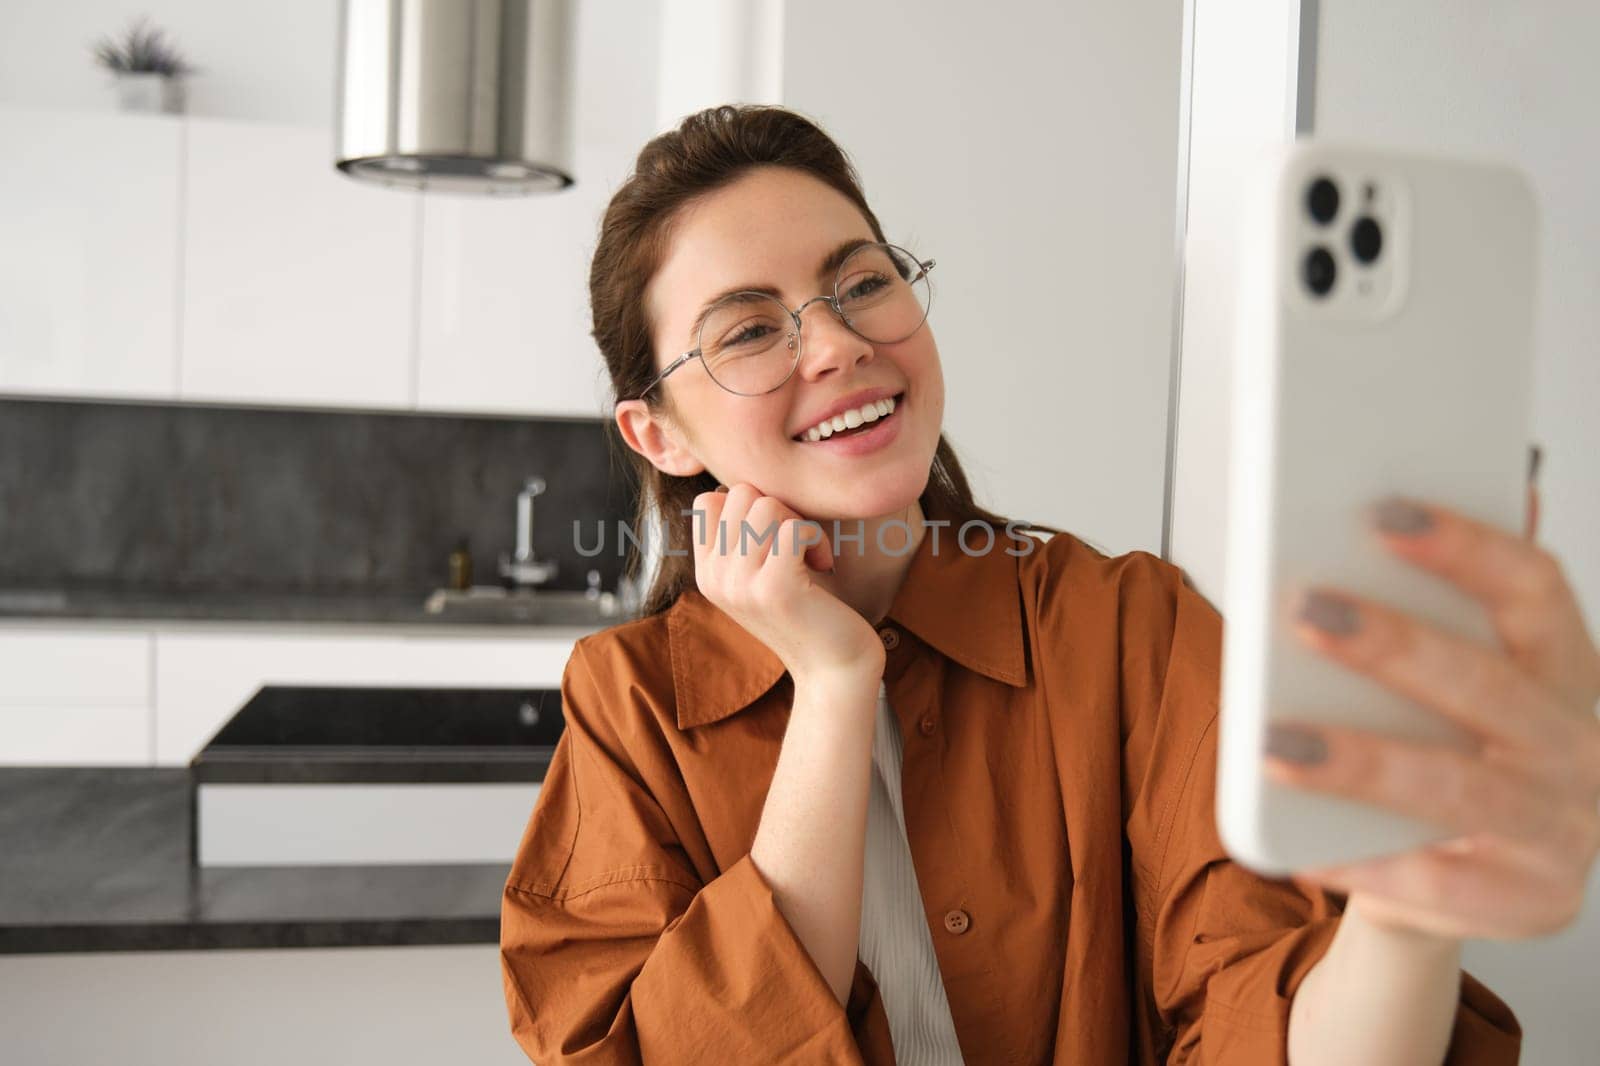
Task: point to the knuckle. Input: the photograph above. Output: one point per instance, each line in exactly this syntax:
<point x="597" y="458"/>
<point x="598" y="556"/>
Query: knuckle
<point x="1545" y="578"/>
<point x="1452" y="783"/>
<point x="1401" y="643"/>
<point x="1363" y="765"/>
<point x="1569" y="908"/>
<point x="1486" y="679"/>
<point x="1521" y="811"/>
<point x="1430" y="881"/>
<point x="1583" y="837"/>
<point x="1503" y="686"/>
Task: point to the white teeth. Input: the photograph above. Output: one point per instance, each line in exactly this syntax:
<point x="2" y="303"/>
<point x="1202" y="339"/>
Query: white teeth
<point x="850" y="419"/>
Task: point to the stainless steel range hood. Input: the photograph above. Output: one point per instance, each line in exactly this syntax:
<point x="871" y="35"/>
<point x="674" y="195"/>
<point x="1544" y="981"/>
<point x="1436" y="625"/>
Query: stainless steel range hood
<point x="456" y="95"/>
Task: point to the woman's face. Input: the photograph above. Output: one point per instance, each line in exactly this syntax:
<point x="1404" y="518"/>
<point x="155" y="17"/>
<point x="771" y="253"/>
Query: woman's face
<point x="774" y="227"/>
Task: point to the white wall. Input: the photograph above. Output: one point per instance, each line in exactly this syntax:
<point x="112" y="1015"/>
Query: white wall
<point x="268" y="61"/>
<point x="1031" y="148"/>
<point x="1515" y="81"/>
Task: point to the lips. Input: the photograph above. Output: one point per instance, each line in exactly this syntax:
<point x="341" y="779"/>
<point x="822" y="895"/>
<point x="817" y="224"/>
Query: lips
<point x="845" y="414"/>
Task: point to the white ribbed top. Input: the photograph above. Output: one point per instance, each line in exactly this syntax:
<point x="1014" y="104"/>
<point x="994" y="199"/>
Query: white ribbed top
<point x="896" y="943"/>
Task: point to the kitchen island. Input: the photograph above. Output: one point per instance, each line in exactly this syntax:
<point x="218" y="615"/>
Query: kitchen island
<point x="97" y="859"/>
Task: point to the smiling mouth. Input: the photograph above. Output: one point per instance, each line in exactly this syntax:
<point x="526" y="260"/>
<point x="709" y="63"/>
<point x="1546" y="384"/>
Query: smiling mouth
<point x="898" y="398"/>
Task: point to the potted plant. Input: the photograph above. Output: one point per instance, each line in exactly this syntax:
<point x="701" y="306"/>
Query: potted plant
<point x="148" y="70"/>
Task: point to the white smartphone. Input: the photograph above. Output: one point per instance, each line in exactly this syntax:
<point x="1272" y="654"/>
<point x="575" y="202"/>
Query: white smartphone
<point x="1384" y="345"/>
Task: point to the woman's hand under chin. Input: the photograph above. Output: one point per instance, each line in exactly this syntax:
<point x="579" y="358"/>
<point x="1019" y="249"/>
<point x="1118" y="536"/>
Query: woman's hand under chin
<point x="764" y="565"/>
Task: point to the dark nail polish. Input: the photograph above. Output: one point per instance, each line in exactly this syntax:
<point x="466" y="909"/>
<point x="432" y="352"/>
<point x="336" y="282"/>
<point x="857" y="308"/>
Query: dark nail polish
<point x="1330" y="615"/>
<point x="1398" y="516"/>
<point x="1296" y="744"/>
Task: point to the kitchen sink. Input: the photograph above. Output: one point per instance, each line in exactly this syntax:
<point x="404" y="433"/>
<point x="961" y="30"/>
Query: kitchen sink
<point x="30" y="600"/>
<point x="540" y="606"/>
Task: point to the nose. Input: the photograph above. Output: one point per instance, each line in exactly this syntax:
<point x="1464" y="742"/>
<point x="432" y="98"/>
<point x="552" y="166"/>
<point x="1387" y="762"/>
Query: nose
<point x="826" y="343"/>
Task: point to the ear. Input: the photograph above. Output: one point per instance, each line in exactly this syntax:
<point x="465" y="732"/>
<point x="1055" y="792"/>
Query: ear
<point x="652" y="435"/>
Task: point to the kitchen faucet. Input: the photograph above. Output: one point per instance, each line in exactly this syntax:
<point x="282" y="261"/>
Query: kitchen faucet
<point x="523" y="569"/>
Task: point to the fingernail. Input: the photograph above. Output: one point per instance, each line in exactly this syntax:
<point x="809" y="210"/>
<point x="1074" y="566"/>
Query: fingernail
<point x="722" y="488"/>
<point x="1398" y="516"/>
<point x="1335" y="616"/>
<point x="1295" y="743"/>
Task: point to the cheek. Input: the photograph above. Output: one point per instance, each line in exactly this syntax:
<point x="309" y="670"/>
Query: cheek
<point x="732" y="431"/>
<point x="927" y="377"/>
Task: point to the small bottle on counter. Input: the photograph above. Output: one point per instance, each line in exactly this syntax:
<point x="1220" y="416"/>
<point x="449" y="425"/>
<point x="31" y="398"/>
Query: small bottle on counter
<point x="461" y="566"/>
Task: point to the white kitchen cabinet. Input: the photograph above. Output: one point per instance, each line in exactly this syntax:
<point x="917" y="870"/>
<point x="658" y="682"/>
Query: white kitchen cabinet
<point x="203" y="678"/>
<point x="399" y="1005"/>
<point x="299" y="282"/>
<point x="75" y="697"/>
<point x="75" y="736"/>
<point x="503" y="313"/>
<point x="56" y="667"/>
<point x="88" y="253"/>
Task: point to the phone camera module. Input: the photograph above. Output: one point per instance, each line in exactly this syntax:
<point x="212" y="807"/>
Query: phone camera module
<point x="1319" y="271"/>
<point x="1322" y="200"/>
<point x="1366" y="239"/>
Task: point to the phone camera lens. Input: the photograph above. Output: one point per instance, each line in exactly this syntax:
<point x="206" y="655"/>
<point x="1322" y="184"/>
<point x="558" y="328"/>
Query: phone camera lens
<point x="1366" y="239"/>
<point x="1322" y="200"/>
<point x="1319" y="271"/>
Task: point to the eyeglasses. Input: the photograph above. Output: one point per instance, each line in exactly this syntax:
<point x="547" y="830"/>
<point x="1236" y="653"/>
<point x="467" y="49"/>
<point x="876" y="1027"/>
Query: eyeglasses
<point x="750" y="341"/>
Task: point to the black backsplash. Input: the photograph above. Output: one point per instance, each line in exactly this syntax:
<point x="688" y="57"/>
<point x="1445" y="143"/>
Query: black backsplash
<point x="198" y="498"/>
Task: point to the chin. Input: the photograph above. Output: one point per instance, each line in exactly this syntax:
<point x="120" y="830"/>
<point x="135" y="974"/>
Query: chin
<point x="889" y="494"/>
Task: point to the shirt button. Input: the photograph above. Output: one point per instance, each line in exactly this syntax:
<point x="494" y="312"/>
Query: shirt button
<point x="926" y="726"/>
<point x="956" y="921"/>
<point x="890" y="638"/>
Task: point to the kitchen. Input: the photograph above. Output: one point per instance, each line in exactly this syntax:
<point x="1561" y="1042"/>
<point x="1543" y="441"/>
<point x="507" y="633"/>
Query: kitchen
<point x="281" y="448"/>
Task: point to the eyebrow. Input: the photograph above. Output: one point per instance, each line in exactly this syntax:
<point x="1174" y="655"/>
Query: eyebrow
<point x="830" y="265"/>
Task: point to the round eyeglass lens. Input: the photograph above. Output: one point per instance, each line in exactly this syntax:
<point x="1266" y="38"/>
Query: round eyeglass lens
<point x="747" y="343"/>
<point x="883" y="293"/>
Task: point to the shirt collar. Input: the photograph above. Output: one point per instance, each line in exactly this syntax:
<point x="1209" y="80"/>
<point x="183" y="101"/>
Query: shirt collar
<point x="966" y="604"/>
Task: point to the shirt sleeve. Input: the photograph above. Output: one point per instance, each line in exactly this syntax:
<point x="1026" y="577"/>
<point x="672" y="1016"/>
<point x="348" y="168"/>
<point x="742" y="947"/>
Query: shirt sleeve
<point x="1220" y="950"/>
<point x="613" y="950"/>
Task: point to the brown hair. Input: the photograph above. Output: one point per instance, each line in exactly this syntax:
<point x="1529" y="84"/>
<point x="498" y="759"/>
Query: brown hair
<point x="709" y="150"/>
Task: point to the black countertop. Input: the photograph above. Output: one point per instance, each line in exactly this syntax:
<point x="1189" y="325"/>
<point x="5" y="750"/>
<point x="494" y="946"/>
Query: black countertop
<point x="97" y="860"/>
<point x="544" y="607"/>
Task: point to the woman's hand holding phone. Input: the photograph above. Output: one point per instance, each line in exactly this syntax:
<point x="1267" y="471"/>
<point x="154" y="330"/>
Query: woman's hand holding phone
<point x="764" y="577"/>
<point x="1525" y="806"/>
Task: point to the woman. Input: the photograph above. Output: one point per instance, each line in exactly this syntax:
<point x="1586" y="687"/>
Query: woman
<point x="905" y="783"/>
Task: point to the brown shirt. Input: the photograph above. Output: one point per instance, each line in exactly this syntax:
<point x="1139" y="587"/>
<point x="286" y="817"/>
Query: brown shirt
<point x="1059" y="716"/>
